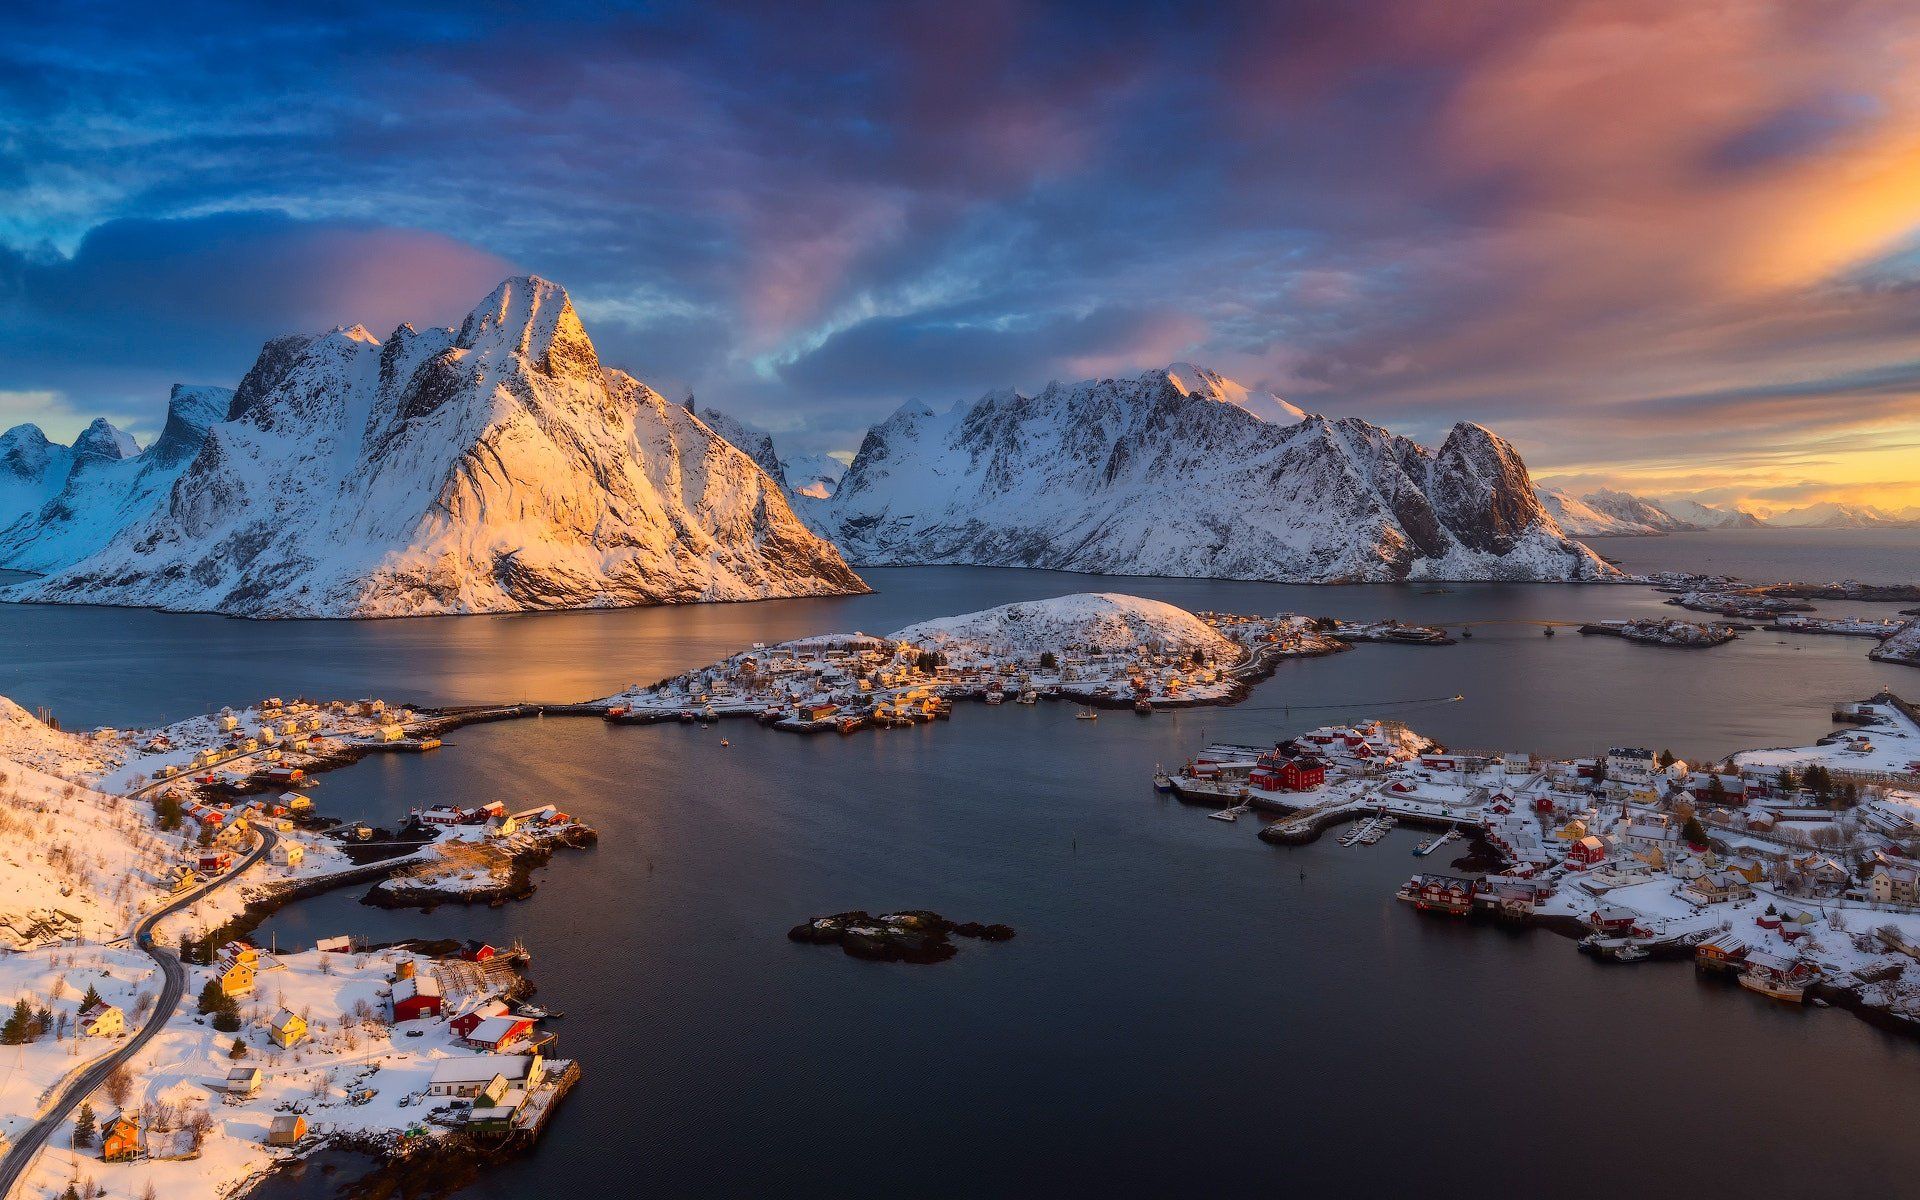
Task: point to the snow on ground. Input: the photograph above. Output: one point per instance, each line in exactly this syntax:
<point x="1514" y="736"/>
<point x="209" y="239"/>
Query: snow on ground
<point x="356" y="1072"/>
<point x="56" y="979"/>
<point x="1890" y="745"/>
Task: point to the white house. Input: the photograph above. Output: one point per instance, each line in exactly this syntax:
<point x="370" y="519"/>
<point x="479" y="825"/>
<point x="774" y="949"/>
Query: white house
<point x="1631" y="764"/>
<point x="469" y="1074"/>
<point x="1896" y="883"/>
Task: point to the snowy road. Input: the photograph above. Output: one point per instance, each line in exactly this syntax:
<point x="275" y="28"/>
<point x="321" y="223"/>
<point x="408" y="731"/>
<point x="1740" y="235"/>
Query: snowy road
<point x="27" y="1147"/>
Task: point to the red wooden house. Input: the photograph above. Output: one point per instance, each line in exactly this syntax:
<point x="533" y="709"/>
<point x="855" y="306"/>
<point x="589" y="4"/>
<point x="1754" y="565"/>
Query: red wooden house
<point x="417" y="996"/>
<point x="1280" y="772"/>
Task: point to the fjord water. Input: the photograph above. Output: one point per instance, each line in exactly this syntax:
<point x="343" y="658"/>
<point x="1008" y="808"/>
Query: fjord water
<point x="1185" y="1009"/>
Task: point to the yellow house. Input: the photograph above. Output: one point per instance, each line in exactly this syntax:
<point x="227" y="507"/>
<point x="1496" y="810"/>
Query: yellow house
<point x="236" y="967"/>
<point x="1572" y="831"/>
<point x="103" y="1020"/>
<point x="287" y="1029"/>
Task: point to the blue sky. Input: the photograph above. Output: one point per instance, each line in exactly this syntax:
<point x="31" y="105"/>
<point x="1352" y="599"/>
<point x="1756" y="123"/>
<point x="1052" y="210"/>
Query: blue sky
<point x="1666" y="246"/>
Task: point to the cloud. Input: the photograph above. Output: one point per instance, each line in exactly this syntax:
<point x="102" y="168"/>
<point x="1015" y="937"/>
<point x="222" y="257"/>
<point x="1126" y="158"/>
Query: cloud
<point x="951" y="355"/>
<point x="141" y="304"/>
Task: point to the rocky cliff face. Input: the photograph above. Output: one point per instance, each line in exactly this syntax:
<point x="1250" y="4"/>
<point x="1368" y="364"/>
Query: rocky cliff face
<point x="494" y="468"/>
<point x="1170" y="474"/>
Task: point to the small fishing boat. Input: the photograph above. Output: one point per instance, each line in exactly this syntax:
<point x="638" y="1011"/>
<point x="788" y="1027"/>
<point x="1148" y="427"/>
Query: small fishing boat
<point x="1143" y="706"/>
<point x="1162" y="782"/>
<point x="1631" y="953"/>
<point x="1086" y="714"/>
<point x="725" y="742"/>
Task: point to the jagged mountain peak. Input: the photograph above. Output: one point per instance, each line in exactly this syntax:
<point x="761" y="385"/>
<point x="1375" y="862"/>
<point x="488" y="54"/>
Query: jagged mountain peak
<point x="102" y="440"/>
<point x="535" y="319"/>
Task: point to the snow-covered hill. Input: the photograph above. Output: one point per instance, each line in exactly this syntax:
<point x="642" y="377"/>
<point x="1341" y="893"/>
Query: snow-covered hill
<point x="494" y="468"/>
<point x="1097" y="622"/>
<point x="1166" y="474"/>
<point x="110" y="484"/>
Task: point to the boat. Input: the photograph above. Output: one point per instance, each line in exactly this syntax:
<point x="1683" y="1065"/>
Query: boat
<point x="1631" y="952"/>
<point x="1162" y="782"/>
<point x="1549" y="631"/>
<point x="1143" y="706"/>
<point x="1224" y="814"/>
<point x="1431" y="844"/>
<point x="1029" y="696"/>
<point x="1790" y="988"/>
<point x="1086" y="714"/>
<point x="725" y="742"/>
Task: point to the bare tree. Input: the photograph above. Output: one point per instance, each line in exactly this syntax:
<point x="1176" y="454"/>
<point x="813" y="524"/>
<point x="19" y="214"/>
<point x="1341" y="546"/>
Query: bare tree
<point x="119" y="1086"/>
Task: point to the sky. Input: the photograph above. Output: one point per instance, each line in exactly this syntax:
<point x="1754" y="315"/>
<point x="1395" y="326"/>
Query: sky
<point x="1669" y="247"/>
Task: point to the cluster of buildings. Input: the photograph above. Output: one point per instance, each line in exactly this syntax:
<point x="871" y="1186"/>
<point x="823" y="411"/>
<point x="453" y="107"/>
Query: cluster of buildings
<point x="1641" y="850"/>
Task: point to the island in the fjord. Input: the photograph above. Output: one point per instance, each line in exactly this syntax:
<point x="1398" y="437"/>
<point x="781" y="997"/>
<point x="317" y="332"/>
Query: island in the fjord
<point x="1100" y="650"/>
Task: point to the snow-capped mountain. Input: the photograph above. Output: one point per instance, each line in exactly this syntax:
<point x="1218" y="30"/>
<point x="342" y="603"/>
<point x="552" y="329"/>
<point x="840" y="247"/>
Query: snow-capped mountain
<point x="1165" y="474"/>
<point x="1577" y="518"/>
<point x="1709" y="516"/>
<point x="110" y="483"/>
<point x="494" y="468"/>
<point x="31" y="471"/>
<point x="1831" y="515"/>
<point x="1632" y="510"/>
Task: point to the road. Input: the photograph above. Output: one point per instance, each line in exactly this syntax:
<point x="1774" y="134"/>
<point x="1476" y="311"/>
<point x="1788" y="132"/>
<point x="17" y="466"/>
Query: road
<point x="27" y="1146"/>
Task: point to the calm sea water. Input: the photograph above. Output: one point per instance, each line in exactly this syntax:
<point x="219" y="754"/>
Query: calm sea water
<point x="1770" y="555"/>
<point x="1174" y="979"/>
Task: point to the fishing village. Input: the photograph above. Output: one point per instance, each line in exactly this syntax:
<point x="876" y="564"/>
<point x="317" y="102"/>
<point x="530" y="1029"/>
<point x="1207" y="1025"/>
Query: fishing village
<point x="428" y="1055"/>
<point x="1792" y="871"/>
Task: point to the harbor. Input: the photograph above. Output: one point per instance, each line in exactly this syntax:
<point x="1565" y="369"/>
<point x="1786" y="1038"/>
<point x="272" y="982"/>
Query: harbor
<point x="1788" y="869"/>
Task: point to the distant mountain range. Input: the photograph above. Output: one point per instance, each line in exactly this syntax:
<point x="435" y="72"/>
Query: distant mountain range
<point x="1608" y="513"/>
<point x="497" y="467"/>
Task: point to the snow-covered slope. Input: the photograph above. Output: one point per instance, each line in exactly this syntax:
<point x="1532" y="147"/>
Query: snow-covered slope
<point x="1709" y="516"/>
<point x="1831" y="515"/>
<point x="1577" y="518"/>
<point x="109" y="485"/>
<point x="494" y="468"/>
<point x="1097" y="622"/>
<point x="1165" y="475"/>
<point x="757" y="443"/>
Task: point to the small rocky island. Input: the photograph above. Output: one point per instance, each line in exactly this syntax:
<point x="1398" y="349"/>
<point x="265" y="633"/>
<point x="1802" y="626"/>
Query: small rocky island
<point x="916" y="937"/>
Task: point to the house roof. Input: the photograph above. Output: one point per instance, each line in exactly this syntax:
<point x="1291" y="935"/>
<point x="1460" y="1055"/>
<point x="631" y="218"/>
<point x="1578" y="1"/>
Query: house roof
<point x="417" y="985"/>
<point x="480" y="1068"/>
<point x="286" y="1123"/>
<point x="493" y="1029"/>
<point x="285" y="1018"/>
